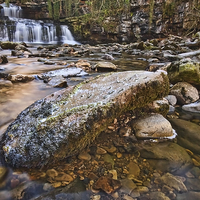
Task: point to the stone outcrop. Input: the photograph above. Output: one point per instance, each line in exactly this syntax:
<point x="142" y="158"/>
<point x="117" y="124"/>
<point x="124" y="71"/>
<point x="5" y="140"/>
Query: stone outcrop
<point x="63" y="123"/>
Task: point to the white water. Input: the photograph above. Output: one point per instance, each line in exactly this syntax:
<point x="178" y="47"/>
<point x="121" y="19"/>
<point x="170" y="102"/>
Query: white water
<point x="18" y="29"/>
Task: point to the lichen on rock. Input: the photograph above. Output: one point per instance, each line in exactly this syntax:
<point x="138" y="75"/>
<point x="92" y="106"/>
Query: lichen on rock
<point x="63" y="123"/>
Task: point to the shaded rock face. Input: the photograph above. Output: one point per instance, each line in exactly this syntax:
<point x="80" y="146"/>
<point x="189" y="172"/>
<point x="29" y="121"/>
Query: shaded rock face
<point x="188" y="134"/>
<point x="65" y="122"/>
<point x="172" y="157"/>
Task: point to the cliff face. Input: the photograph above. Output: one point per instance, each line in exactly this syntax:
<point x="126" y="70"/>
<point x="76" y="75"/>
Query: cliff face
<point x="144" y="19"/>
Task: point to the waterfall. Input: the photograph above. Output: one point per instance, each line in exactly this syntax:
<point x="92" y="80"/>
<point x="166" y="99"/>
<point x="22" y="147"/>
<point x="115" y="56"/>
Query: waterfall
<point x="17" y="29"/>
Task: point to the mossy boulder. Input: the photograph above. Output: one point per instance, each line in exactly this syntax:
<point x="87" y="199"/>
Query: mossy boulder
<point x="185" y="71"/>
<point x="65" y="122"/>
<point x="8" y="45"/>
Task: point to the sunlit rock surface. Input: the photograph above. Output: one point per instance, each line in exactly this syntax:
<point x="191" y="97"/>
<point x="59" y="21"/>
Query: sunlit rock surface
<point x="63" y="123"/>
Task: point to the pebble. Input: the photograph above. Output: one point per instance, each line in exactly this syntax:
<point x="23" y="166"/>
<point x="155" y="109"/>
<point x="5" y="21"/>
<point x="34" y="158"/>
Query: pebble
<point x="84" y="156"/>
<point x="52" y="173"/>
<point x="114" y="173"/>
<point x="126" y="197"/>
<point x="127" y="186"/>
<point x="57" y="184"/>
<point x="119" y="155"/>
<point x="63" y="177"/>
<point x="142" y="189"/>
<point x="101" y="151"/>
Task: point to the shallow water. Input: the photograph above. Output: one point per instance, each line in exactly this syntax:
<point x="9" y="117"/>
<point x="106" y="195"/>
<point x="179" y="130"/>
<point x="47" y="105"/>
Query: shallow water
<point x="21" y="95"/>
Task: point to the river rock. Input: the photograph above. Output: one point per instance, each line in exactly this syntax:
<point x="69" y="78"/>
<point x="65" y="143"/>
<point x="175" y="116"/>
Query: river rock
<point x="107" y="184"/>
<point x="185" y="70"/>
<point x="66" y="72"/>
<point x="105" y="66"/>
<point x="153" y="126"/>
<point x="192" y="107"/>
<point x="193" y="184"/>
<point x="3" y="59"/>
<point x="172" y="157"/>
<point x="58" y="81"/>
<point x="63" y="123"/>
<point x="21" y="78"/>
<point x="171" y="99"/>
<point x="188" y="134"/>
<point x="185" y="93"/>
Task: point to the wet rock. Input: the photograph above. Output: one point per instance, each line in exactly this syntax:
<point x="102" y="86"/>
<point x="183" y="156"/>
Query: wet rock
<point x="83" y="64"/>
<point x="188" y="134"/>
<point x="153" y="126"/>
<point x="106" y="184"/>
<point x="171" y="110"/>
<point x="185" y="93"/>
<point x="172" y="157"/>
<point x="60" y="124"/>
<point x="22" y="48"/>
<point x="185" y="71"/>
<point x="17" y="53"/>
<point x="5" y="83"/>
<point x="108" y="57"/>
<point x="193" y="184"/>
<point x="173" y="182"/>
<point x="171" y="99"/>
<point x="58" y="81"/>
<point x="134" y="170"/>
<point x="105" y="66"/>
<point x="192" y="107"/>
<point x="188" y="195"/>
<point x="49" y="62"/>
<point x="3" y="59"/>
<point x="66" y="72"/>
<point x="158" y="196"/>
<point x="127" y="186"/>
<point x="21" y="78"/>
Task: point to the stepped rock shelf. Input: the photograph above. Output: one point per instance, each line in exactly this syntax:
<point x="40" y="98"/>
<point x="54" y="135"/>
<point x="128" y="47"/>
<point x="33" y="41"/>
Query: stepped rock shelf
<point x="63" y="123"/>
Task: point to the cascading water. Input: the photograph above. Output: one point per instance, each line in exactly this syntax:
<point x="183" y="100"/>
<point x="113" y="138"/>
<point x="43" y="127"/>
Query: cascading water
<point x="17" y="29"/>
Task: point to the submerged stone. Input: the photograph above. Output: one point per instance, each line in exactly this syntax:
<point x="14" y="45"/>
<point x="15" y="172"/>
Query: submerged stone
<point x="63" y="123"/>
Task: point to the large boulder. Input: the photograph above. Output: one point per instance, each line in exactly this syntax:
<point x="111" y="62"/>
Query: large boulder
<point x="63" y="123"/>
<point x="185" y="70"/>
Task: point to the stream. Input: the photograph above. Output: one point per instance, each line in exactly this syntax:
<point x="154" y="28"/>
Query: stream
<point x="117" y="154"/>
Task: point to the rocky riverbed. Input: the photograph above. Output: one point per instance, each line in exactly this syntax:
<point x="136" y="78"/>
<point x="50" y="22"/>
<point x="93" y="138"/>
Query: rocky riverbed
<point x="137" y="155"/>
